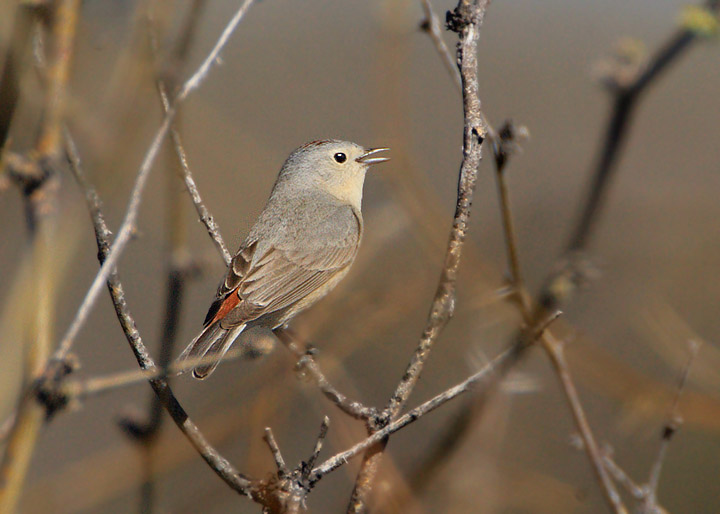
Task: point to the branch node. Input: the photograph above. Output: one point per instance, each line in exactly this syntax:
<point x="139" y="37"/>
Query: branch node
<point x="459" y="18"/>
<point x="49" y="388"/>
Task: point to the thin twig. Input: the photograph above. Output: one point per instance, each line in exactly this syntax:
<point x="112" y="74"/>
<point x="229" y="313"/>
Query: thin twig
<point x="432" y="26"/>
<point x="204" y="214"/>
<point x="503" y="147"/>
<point x="306" y="362"/>
<point x="671" y="427"/>
<point x="555" y="350"/>
<point x="162" y="87"/>
<point x="318" y="444"/>
<point x="621" y="477"/>
<point x="269" y="439"/>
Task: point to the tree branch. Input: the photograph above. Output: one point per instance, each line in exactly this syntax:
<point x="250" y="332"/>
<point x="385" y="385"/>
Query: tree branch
<point x="466" y="20"/>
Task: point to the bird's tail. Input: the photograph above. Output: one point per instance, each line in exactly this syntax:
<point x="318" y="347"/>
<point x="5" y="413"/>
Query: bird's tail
<point x="209" y="347"/>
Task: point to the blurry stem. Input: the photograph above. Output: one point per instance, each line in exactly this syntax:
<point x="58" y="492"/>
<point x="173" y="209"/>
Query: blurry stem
<point x="671" y="427"/>
<point x="40" y="192"/>
<point x="178" y="262"/>
<point x="561" y="284"/>
<point x="41" y="318"/>
<point x="10" y="79"/>
<point x="64" y="25"/>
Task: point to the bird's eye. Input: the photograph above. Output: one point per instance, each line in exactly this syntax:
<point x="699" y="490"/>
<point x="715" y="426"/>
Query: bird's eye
<point x="340" y="157"/>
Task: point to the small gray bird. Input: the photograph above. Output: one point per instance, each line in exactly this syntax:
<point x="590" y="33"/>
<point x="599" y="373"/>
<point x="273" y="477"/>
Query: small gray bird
<point x="300" y="247"/>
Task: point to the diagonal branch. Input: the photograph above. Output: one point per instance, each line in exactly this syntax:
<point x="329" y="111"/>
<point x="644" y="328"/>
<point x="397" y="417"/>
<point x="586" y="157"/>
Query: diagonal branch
<point x="671" y="427"/>
<point x="561" y="284"/>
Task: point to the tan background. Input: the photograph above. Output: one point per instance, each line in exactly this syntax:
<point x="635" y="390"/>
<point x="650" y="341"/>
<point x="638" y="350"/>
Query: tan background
<point x="297" y="71"/>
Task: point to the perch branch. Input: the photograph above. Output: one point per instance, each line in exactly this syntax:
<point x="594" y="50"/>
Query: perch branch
<point x="466" y="20"/>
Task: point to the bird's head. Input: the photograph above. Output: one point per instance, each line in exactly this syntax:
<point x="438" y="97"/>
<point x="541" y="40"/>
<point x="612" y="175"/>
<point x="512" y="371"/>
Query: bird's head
<point x="336" y="167"/>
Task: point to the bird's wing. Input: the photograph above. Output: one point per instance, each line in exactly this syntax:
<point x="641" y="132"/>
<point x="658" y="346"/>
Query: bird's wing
<point x="267" y="278"/>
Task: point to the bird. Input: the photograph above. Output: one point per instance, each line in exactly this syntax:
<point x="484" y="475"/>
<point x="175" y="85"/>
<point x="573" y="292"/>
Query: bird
<point x="301" y="245"/>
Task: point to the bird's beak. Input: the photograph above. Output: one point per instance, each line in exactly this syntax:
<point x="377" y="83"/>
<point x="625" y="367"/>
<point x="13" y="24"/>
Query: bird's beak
<point x="367" y="157"/>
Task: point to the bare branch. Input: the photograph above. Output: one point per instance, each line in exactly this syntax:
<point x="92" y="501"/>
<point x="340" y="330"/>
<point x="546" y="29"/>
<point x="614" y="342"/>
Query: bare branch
<point x="205" y="217"/>
<point x="306" y="362"/>
<point x="472" y="382"/>
<point x="556" y="352"/>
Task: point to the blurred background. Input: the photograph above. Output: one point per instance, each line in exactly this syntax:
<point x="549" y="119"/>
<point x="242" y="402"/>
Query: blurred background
<point x="363" y="71"/>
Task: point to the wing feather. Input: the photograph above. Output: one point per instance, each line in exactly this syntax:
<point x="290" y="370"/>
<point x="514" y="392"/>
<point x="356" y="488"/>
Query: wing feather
<point x="275" y="275"/>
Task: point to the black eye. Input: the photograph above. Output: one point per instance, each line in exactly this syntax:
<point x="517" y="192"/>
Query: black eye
<point x="340" y="157"/>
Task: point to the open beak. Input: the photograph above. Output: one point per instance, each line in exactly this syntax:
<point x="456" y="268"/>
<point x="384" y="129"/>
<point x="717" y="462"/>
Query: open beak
<point x="367" y="157"/>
